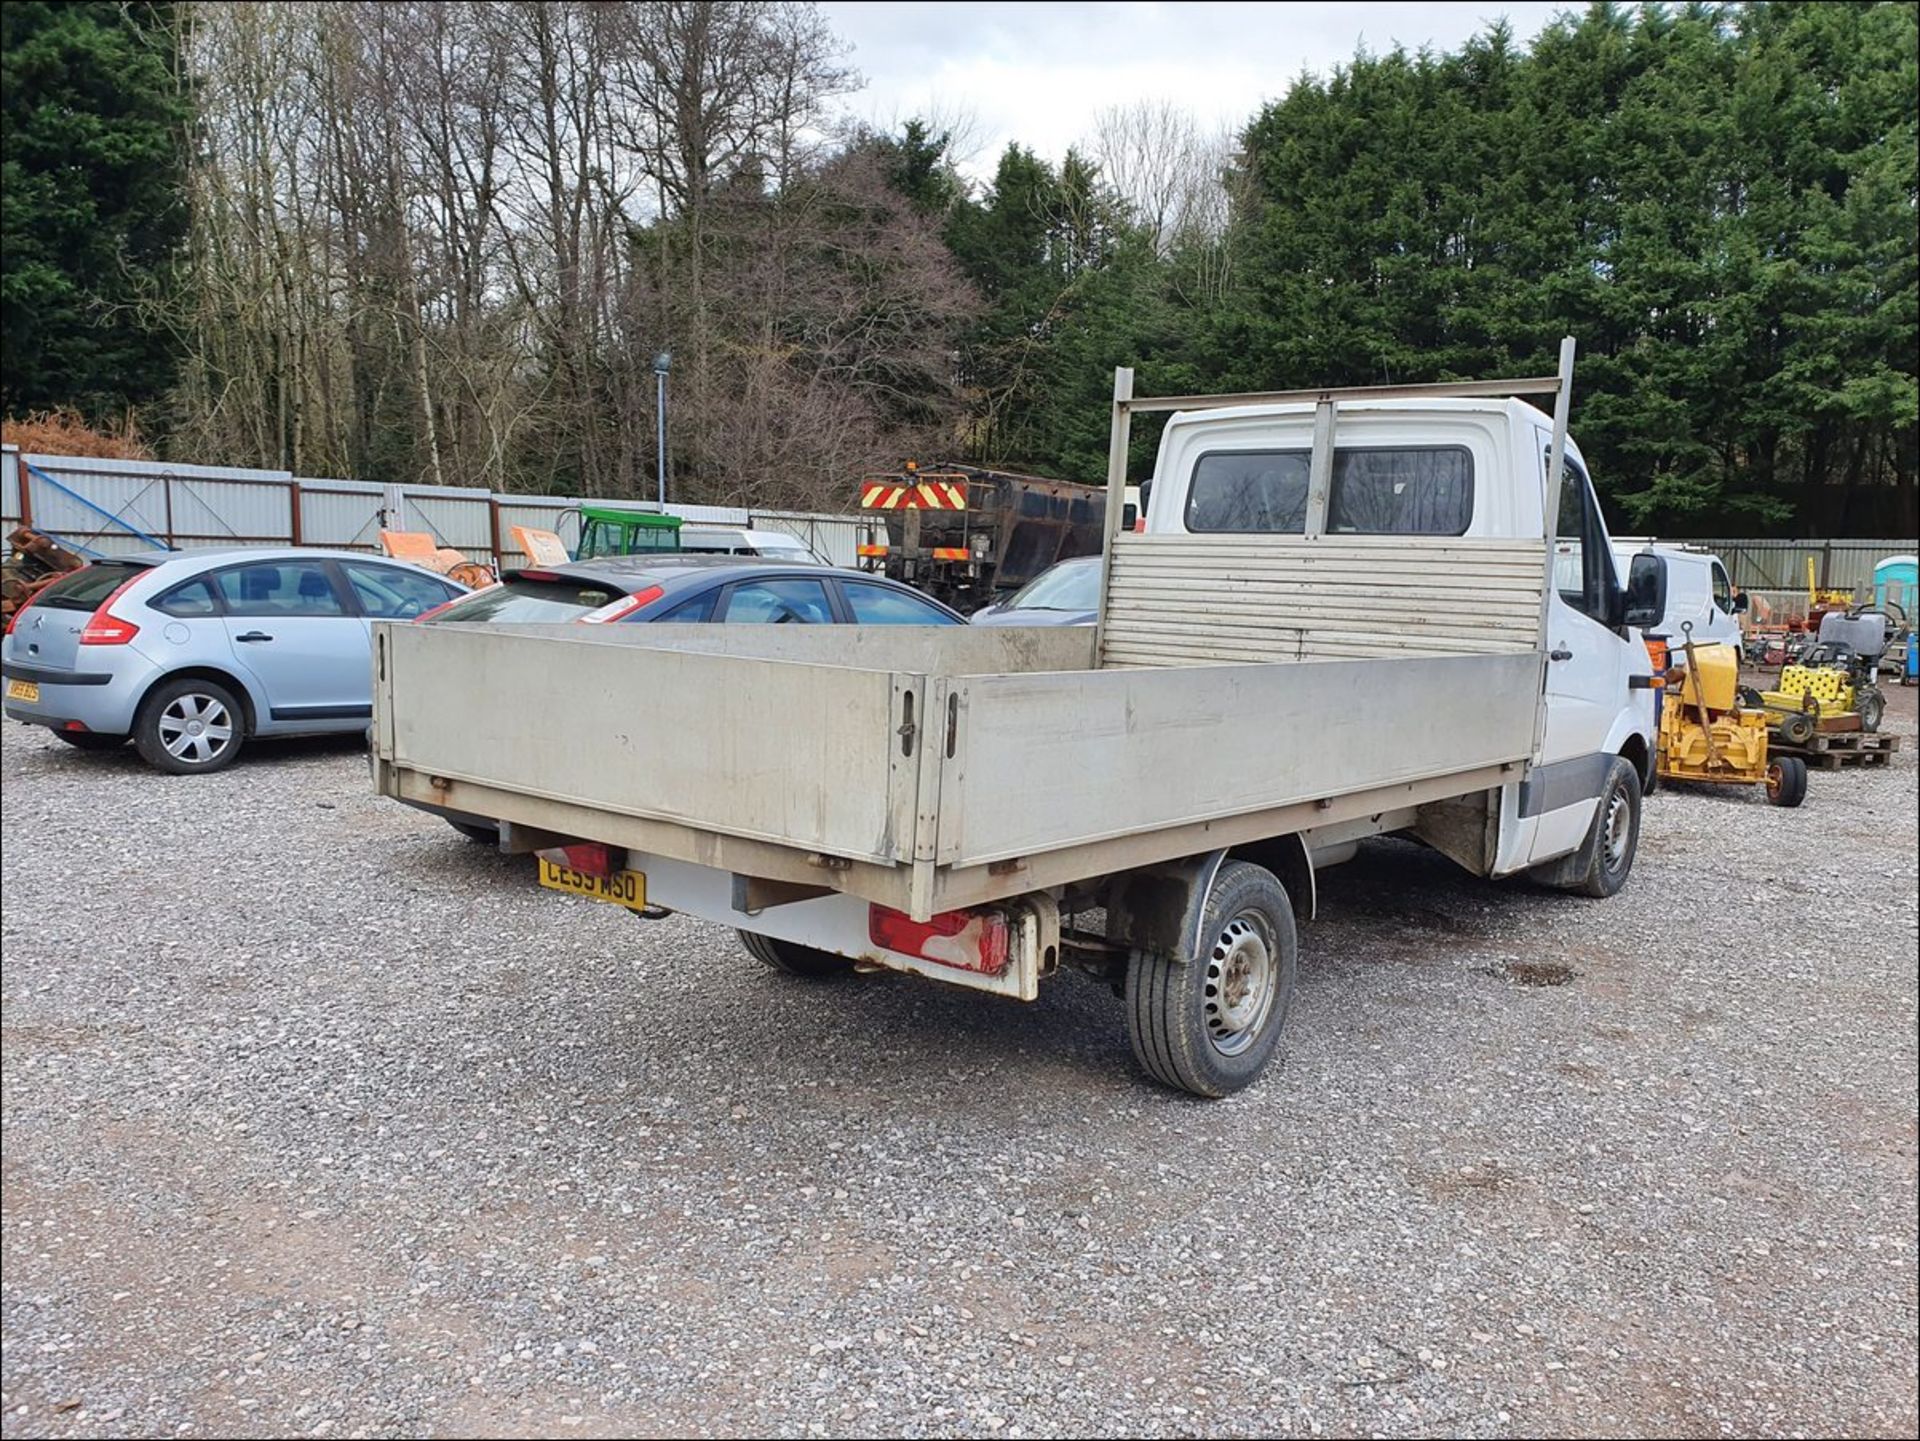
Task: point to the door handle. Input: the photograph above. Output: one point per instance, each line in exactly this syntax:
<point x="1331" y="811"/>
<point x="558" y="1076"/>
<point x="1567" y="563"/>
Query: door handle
<point x="1557" y="653"/>
<point x="254" y="635"/>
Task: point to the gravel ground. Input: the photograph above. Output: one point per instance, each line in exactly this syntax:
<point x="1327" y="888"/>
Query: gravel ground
<point x="320" y="1120"/>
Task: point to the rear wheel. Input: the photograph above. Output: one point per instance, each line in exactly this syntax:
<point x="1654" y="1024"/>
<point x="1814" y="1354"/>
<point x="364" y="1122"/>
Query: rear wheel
<point x="1210" y="1025"/>
<point x="91" y="740"/>
<point x="1786" y="780"/>
<point x="1872" y="706"/>
<point x="189" y="727"/>
<point x="791" y="958"/>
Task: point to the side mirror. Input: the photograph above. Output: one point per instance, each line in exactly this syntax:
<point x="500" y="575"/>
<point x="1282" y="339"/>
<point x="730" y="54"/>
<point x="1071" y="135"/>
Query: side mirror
<point x="1645" y="601"/>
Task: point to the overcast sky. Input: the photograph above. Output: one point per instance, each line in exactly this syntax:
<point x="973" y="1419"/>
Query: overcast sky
<point x="1038" y="72"/>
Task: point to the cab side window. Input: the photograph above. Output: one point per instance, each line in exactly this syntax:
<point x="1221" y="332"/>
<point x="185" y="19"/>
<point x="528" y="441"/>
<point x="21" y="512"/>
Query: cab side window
<point x="1722" y="590"/>
<point x="1582" y="567"/>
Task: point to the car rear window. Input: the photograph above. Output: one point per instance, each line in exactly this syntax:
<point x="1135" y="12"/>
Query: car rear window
<point x="519" y="601"/>
<point x="86" y="587"/>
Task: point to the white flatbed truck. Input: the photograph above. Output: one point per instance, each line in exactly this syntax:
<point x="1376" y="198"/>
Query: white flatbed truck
<point x="1351" y="612"/>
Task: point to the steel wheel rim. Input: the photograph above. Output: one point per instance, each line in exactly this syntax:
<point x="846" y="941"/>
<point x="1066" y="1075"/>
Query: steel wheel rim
<point x="1619" y="828"/>
<point x="1775" y="778"/>
<point x="1242" y="983"/>
<point x="196" y="728"/>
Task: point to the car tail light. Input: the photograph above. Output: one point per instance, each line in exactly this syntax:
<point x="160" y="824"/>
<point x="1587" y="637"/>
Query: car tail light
<point x="966" y="940"/>
<point x="622" y="608"/>
<point x="587" y="858"/>
<point x="103" y="627"/>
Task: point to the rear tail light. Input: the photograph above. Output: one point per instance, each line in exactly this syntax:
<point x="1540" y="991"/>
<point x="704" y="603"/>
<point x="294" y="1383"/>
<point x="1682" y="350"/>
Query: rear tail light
<point x="587" y="858"/>
<point x="103" y="627"/>
<point x="977" y="941"/>
<point x="622" y="608"/>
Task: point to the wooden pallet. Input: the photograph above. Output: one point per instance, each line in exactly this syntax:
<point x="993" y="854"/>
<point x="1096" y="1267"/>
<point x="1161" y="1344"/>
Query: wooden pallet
<point x="1829" y="751"/>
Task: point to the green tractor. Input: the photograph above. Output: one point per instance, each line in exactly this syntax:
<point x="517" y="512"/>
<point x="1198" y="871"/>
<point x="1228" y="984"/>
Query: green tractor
<point x="615" y="530"/>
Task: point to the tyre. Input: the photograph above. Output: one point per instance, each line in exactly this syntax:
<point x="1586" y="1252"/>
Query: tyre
<point x="479" y="835"/>
<point x="1786" y="781"/>
<point x="1602" y="864"/>
<point x="1797" y="730"/>
<point x="190" y="727"/>
<point x="1210" y="1025"/>
<point x="791" y="958"/>
<point x="1872" y="707"/>
<point x="91" y="740"/>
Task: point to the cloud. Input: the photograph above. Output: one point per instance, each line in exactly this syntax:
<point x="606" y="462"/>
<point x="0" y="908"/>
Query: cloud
<point x="1038" y="73"/>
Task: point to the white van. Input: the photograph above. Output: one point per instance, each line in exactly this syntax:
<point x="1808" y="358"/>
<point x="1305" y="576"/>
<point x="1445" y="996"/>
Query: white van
<point x="1698" y="590"/>
<point x="737" y="540"/>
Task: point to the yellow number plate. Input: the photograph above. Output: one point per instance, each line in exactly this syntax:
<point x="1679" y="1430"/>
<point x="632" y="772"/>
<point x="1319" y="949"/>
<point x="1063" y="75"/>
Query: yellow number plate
<point x="623" y="888"/>
<point x="24" y="690"/>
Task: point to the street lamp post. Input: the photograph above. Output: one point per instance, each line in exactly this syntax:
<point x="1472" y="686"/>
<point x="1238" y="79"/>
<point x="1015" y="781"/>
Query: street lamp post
<point x="661" y="363"/>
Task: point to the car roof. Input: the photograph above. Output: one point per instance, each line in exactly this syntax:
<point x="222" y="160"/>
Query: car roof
<point x="237" y="554"/>
<point x="626" y="569"/>
<point x="679" y="573"/>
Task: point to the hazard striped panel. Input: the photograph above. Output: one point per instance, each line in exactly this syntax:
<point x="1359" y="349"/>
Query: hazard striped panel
<point x="921" y="495"/>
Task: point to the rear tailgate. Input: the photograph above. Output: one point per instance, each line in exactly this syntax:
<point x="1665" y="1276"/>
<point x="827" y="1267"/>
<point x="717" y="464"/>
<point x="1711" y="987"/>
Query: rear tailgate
<point x="800" y="755"/>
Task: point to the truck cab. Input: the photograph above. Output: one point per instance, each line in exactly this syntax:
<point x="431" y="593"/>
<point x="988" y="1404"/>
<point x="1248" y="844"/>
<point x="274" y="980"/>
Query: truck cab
<point x="1448" y="478"/>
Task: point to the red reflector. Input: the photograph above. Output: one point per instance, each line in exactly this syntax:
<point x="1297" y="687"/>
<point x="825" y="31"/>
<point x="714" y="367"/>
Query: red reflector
<point x="966" y="940"/>
<point x="74" y="726"/>
<point x="622" y="608"/>
<point x="870" y="550"/>
<point x="105" y="628"/>
<point x="589" y="858"/>
<point x="949" y="552"/>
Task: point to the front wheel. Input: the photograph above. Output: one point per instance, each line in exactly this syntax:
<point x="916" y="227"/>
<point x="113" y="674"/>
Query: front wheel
<point x="1210" y="1025"/>
<point x="1786" y="780"/>
<point x="1797" y="729"/>
<point x="190" y="727"/>
<point x="790" y="958"/>
<point x="1601" y="866"/>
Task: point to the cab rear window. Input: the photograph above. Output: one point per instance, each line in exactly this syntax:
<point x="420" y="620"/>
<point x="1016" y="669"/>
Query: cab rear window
<point x="86" y="587"/>
<point x="519" y="601"/>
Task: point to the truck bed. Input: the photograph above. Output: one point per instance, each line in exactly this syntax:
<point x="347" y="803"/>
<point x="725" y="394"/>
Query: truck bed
<point x="923" y="768"/>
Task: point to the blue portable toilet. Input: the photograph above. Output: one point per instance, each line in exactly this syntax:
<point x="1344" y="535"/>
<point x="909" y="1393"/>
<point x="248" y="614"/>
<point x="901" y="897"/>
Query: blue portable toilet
<point x="1897" y="579"/>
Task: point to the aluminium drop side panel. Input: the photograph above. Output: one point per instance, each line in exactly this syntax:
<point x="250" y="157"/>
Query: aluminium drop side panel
<point x="805" y="756"/>
<point x="1046" y="761"/>
<point x="917" y="649"/>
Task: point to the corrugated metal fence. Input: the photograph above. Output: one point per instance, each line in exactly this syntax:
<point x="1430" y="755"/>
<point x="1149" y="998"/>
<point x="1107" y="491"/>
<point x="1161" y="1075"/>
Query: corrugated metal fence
<point x="118" y="507"/>
<point x="114" y="507"/>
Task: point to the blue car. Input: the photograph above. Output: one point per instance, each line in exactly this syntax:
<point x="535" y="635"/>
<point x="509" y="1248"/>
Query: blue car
<point x="190" y="654"/>
<point x="696" y="589"/>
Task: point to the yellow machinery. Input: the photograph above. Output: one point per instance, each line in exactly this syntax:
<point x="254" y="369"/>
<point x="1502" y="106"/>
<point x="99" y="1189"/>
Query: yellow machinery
<point x="1707" y="735"/>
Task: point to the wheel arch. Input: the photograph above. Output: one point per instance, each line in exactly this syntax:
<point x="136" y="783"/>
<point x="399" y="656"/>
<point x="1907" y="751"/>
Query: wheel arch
<point x="230" y="681"/>
<point x="1159" y="908"/>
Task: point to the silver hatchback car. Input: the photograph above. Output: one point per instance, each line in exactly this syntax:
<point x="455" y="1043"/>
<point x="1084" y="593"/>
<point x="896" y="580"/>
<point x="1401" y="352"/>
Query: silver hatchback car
<point x="192" y="653"/>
